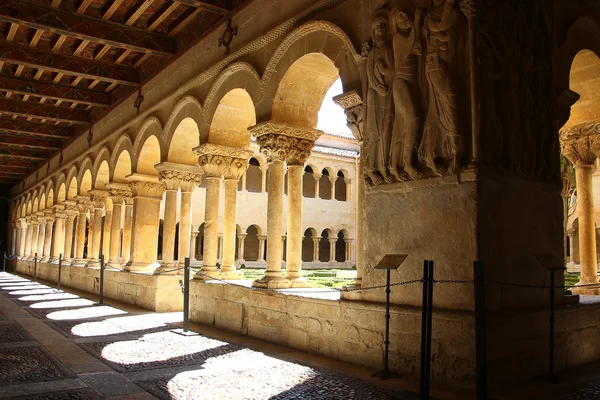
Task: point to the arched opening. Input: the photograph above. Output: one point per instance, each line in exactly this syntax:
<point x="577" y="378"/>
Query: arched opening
<point x="36" y="205"/>
<point x="86" y="183"/>
<point x="102" y="176"/>
<point x="159" y="249"/>
<point x="308" y="182"/>
<point x="340" y="247"/>
<point x="254" y="176"/>
<point x="185" y="138"/>
<point x="308" y="245"/>
<point x="62" y="194"/>
<point x="72" y="189"/>
<point x="340" y="187"/>
<point x="50" y="199"/>
<point x="251" y="243"/>
<point x="42" y="203"/>
<point x="234" y="114"/>
<point x="122" y="167"/>
<point x="149" y="157"/>
<point x="325" y="185"/>
<point x="200" y="243"/>
<point x="324" y="246"/>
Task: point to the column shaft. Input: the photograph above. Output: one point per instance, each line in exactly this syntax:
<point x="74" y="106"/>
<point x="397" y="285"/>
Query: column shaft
<point x="193" y="247"/>
<point x="29" y="239"/>
<point x="185" y="228"/>
<point x="294" y="223"/>
<point x="80" y="240"/>
<point x="228" y="270"/>
<point x="126" y="244"/>
<point x="261" y="248"/>
<point x="587" y="231"/>
<point x="211" y="226"/>
<point x="68" y="238"/>
<point x="40" y="240"/>
<point x="316" y="241"/>
<point x="169" y="225"/>
<point x="48" y="239"/>
<point x="106" y="233"/>
<point x="59" y="238"/>
<point x="332" y="249"/>
<point x="115" y="234"/>
<point x="94" y="255"/>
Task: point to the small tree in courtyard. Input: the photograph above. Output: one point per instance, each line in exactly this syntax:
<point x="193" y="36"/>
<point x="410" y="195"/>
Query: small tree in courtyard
<point x="569" y="195"/>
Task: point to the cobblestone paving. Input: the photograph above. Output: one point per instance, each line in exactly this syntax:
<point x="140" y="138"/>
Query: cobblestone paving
<point x="75" y="329"/>
<point x="246" y="374"/>
<point x="85" y="394"/>
<point x="589" y="392"/>
<point x="29" y="364"/>
<point x="10" y="333"/>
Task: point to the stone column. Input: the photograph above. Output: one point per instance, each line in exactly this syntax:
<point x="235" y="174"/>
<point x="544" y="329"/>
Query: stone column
<point x="217" y="161"/>
<point x="58" y="236"/>
<point x="170" y="219"/>
<point x="31" y="226"/>
<point x="220" y="249"/>
<point x="106" y="229"/>
<point x="83" y="204"/>
<point x="261" y="248"/>
<point x="13" y="237"/>
<point x="71" y="211"/>
<point x="118" y="192"/>
<point x="348" y="249"/>
<point x="316" y="240"/>
<point x="263" y="179"/>
<point x="579" y="152"/>
<point x="332" y="180"/>
<point x="571" y="235"/>
<point x="39" y="247"/>
<point x="147" y="194"/>
<point x="23" y="243"/>
<point x="90" y="231"/>
<point x="352" y="104"/>
<point x="231" y="176"/>
<point x="240" y="241"/>
<point x="332" y="243"/>
<point x="243" y="178"/>
<point x="48" y="235"/>
<point x="193" y="247"/>
<point x="317" y="180"/>
<point x="98" y="200"/>
<point x="348" y="183"/>
<point x="126" y="244"/>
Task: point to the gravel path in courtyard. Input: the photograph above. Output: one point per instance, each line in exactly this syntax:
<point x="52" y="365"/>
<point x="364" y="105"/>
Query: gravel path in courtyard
<point x="56" y="345"/>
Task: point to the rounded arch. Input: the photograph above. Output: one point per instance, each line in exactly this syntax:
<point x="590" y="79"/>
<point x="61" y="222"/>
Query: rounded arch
<point x="252" y="243"/>
<point x="187" y="107"/>
<point x="122" y="167"/>
<point x="84" y="178"/>
<point x="325" y="190"/>
<point x="36" y="204"/>
<point x="311" y="38"/>
<point x="149" y="155"/>
<point x="308" y="245"/>
<point x="340" y="246"/>
<point x="184" y="139"/>
<point x="61" y="193"/>
<point x="233" y="116"/>
<point x="50" y="198"/>
<point x="29" y="209"/>
<point x="325" y="246"/>
<point x="101" y="170"/>
<point x="72" y="183"/>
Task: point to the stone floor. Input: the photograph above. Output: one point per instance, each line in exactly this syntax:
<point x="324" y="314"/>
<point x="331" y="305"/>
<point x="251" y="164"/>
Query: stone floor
<point x="58" y="345"/>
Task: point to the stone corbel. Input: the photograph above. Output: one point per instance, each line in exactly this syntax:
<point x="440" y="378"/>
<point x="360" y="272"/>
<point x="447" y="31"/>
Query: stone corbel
<point x="280" y="141"/>
<point x="353" y="107"/>
<point x="222" y="161"/>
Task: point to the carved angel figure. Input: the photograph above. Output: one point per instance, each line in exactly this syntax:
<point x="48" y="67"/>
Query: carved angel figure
<point x="440" y="137"/>
<point x="406" y="43"/>
<point x="378" y="121"/>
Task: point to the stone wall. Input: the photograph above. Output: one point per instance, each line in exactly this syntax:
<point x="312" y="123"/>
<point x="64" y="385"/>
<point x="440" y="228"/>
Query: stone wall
<point x="151" y="292"/>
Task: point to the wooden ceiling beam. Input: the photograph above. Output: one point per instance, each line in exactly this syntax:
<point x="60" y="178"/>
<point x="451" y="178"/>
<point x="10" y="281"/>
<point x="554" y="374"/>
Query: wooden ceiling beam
<point x="67" y="65"/>
<point x="52" y="113"/>
<point x="36" y="16"/>
<point x="209" y="5"/>
<point x="20" y="154"/>
<point x="25" y="128"/>
<point x="53" y="91"/>
<point x="161" y="15"/>
<point x="28" y="143"/>
<point x="137" y="10"/>
<point x="111" y="9"/>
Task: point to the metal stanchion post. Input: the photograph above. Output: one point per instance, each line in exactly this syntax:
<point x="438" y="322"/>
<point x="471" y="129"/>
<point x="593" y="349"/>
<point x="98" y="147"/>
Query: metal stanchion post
<point x="101" y="300"/>
<point x="480" y="333"/>
<point x="186" y="294"/>
<point x="426" y="320"/>
<point x="4" y="263"/>
<point x="59" y="271"/>
<point x="35" y="268"/>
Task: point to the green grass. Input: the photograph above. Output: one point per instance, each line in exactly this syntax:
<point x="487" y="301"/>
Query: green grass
<point x="571" y="278"/>
<point x="322" y="278"/>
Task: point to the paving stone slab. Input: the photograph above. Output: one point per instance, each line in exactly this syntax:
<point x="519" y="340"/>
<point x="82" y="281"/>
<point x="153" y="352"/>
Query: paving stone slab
<point x="30" y="364"/>
<point x="86" y="329"/>
<point x="42" y="313"/>
<point x="4" y="316"/>
<point x="77" y="394"/>
<point x="13" y="332"/>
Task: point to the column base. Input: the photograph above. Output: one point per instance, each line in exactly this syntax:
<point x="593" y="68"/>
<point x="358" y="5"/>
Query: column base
<point x="80" y="262"/>
<point x="166" y="269"/>
<point x="93" y="263"/>
<point x="55" y="261"/>
<point x="585" y="290"/>
<point x="45" y="259"/>
<point x="212" y="272"/>
<point x="271" y="283"/>
<point x="114" y="264"/>
<point x="300" y="283"/>
<point x="233" y="275"/>
<point x="141" y="267"/>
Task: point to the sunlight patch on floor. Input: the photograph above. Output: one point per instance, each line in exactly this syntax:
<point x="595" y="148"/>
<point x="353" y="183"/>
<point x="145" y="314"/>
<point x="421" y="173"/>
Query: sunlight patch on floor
<point x="51" y="296"/>
<point x="33" y="291"/>
<point x="128" y="324"/>
<point x="83" y="313"/>
<point x="63" y="303"/>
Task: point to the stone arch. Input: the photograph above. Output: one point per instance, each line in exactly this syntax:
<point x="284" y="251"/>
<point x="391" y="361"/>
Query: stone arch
<point x="123" y="144"/>
<point x="42" y="200"/>
<point x="149" y="155"/>
<point x="122" y="167"/>
<point x="61" y="193"/>
<point x="184" y="139"/>
<point x="325" y="183"/>
<point x="340" y="246"/>
<point x="72" y="183"/>
<point x="324" y="246"/>
<point x="36" y="203"/>
<point x="308" y="181"/>
<point x="234" y="114"/>
<point x="50" y="197"/>
<point x="101" y="169"/>
<point x="85" y="176"/>
<point x="187" y="107"/>
<point x="308" y="245"/>
<point x="251" y="243"/>
<point x="150" y="127"/>
<point x="323" y="40"/>
<point x="254" y="176"/>
<point x="341" y="187"/>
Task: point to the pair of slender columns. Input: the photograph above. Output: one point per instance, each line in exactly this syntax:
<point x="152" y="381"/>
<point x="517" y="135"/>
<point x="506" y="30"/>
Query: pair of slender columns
<point x="32" y="226"/>
<point x="120" y="195"/>
<point x="58" y="235"/>
<point x="227" y="163"/>
<point x="83" y="204"/>
<point x="284" y="143"/>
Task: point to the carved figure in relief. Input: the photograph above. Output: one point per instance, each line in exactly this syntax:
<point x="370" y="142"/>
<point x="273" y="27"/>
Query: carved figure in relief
<point x="440" y="137"/>
<point x="406" y="43"/>
<point x="379" y="118"/>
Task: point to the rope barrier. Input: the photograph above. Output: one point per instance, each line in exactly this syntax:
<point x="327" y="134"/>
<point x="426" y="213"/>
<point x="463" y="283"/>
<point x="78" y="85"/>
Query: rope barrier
<point x="167" y="271"/>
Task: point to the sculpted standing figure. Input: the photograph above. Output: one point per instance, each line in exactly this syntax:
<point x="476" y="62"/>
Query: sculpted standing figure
<point x="378" y="122"/>
<point x="406" y="43"/>
<point x="440" y="137"/>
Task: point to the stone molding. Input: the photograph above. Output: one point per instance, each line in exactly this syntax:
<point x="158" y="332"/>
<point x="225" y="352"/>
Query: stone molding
<point x="578" y="150"/>
<point x="98" y="197"/>
<point x="118" y="191"/>
<point x="146" y="186"/>
<point x="222" y="161"/>
<point x="589" y="128"/>
<point x="175" y="176"/>
<point x="280" y="141"/>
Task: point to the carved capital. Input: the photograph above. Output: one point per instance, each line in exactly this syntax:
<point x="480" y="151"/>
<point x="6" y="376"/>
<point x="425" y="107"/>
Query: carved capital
<point x="145" y="186"/>
<point x="118" y="192"/>
<point x="98" y="197"/>
<point x="83" y="204"/>
<point x="279" y="141"/>
<point x="578" y="151"/>
<point x="468" y="8"/>
<point x="222" y="161"/>
<point x="353" y="107"/>
<point x="175" y="176"/>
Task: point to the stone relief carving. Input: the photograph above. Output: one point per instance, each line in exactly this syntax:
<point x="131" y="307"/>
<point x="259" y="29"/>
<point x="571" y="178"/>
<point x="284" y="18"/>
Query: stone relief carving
<point x="411" y="120"/>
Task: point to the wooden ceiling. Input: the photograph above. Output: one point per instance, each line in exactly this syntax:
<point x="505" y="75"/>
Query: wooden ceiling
<point x="65" y="63"/>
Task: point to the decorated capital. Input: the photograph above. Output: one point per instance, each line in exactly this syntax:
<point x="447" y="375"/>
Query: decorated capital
<point x="222" y="161"/>
<point x="280" y="141"/>
<point x="175" y="176"/>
